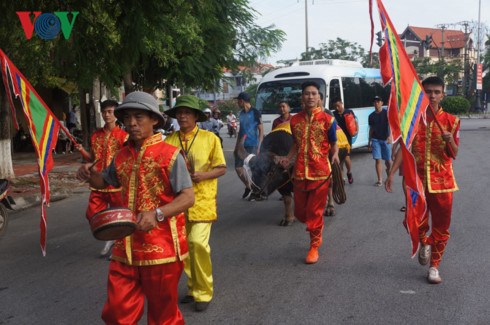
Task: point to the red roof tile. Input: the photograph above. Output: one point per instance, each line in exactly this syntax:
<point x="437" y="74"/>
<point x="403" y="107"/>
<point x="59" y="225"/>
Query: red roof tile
<point x="453" y="39"/>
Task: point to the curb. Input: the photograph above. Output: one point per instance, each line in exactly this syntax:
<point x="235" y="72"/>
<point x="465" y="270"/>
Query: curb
<point x="22" y="203"/>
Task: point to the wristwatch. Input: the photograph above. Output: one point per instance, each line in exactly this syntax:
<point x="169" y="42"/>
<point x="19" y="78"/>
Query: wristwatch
<point x="159" y="215"/>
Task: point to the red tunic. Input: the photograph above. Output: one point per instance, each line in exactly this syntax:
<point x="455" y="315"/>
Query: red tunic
<point x="144" y="177"/>
<point x="313" y="145"/>
<point x="105" y="144"/>
<point x="434" y="166"/>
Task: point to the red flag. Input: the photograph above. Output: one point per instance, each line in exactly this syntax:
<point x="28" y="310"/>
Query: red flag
<point x="43" y="127"/>
<point x="406" y="108"/>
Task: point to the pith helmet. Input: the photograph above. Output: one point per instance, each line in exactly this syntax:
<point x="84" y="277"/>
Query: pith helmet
<point x="187" y="101"/>
<point x="143" y="101"/>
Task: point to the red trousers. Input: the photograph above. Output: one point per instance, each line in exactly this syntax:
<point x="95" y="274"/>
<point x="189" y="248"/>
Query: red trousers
<point x="440" y="206"/>
<point x="309" y="202"/>
<point x="98" y="201"/>
<point x="129" y="285"/>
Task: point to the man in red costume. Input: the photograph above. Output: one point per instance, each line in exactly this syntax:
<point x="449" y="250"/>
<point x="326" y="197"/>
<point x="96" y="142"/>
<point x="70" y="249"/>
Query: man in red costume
<point x="157" y="187"/>
<point x="314" y="133"/>
<point x="104" y="143"/>
<point x="432" y="149"/>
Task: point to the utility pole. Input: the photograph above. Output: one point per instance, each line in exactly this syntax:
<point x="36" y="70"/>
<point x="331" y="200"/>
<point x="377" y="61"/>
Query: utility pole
<point x="466" y="66"/>
<point x="442" y="27"/>
<point x="306" y="25"/>
<point x="468" y="27"/>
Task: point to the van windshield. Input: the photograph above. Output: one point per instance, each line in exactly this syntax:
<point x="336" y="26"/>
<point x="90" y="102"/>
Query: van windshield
<point x="271" y="93"/>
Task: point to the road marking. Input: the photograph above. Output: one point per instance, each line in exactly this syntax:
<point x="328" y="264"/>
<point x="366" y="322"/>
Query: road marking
<point x="407" y="292"/>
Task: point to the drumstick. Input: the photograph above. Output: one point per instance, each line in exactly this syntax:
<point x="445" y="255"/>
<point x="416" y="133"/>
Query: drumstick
<point x="90" y="168"/>
<point x="93" y="164"/>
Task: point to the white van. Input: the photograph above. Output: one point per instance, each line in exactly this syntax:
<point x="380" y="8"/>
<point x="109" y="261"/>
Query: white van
<point x="348" y="80"/>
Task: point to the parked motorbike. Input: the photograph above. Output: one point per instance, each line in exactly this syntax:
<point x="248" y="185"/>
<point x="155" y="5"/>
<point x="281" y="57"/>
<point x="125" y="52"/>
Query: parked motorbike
<point x="232" y="129"/>
<point x="6" y="202"/>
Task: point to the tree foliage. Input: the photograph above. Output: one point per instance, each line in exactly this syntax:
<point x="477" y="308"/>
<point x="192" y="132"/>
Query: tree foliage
<point x="229" y="105"/>
<point x="141" y="42"/>
<point x="336" y="49"/>
<point x="343" y="50"/>
<point x="486" y="67"/>
<point x="449" y="71"/>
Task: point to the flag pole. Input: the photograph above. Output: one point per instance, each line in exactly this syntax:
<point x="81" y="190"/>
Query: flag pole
<point x="448" y="145"/>
<point x="72" y="139"/>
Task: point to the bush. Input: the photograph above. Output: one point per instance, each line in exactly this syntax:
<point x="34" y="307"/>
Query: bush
<point x="228" y="105"/>
<point x="456" y="105"/>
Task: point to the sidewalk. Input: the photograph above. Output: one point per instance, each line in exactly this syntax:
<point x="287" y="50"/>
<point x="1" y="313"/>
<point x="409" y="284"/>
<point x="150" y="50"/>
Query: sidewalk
<point x="25" y="187"/>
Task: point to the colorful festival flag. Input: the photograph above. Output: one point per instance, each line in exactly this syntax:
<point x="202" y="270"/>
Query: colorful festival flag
<point x="43" y="128"/>
<point x="406" y="108"/>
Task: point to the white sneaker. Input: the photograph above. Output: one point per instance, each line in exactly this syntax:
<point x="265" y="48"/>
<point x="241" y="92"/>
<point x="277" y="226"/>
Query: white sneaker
<point x="433" y="276"/>
<point x="107" y="248"/>
<point x="424" y="254"/>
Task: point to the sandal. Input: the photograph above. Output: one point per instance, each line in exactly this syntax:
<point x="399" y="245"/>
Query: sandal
<point x="378" y="184"/>
<point x="403" y="209"/>
<point x="350" y="178"/>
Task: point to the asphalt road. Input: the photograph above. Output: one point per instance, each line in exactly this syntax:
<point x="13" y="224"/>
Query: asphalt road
<point x="365" y="274"/>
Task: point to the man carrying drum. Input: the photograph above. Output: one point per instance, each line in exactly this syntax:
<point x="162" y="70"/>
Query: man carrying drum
<point x="157" y="187"/>
<point x="104" y="142"/>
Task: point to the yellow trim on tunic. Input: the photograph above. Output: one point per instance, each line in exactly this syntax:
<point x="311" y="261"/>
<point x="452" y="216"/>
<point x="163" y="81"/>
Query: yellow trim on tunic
<point x="428" y="144"/>
<point x="309" y="120"/>
<point x="103" y="190"/>
<point x="133" y="188"/>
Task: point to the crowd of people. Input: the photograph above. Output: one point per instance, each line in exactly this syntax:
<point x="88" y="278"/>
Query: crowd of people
<point x="170" y="183"/>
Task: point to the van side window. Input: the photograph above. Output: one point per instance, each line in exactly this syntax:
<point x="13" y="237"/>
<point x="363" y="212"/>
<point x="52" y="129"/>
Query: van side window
<point x="333" y="91"/>
<point x="359" y="92"/>
<point x="352" y="92"/>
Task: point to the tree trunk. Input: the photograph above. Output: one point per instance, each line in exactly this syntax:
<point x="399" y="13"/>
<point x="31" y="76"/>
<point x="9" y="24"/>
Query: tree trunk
<point x="84" y="116"/>
<point x="128" y="83"/>
<point x="6" y="168"/>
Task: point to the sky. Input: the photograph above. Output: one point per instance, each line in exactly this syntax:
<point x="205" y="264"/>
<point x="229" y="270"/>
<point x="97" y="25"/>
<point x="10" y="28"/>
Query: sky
<point x="349" y="19"/>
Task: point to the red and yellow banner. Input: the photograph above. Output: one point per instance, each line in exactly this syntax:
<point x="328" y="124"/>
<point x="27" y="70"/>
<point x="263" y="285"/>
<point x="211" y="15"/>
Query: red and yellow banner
<point x="406" y="109"/>
<point x="43" y="127"/>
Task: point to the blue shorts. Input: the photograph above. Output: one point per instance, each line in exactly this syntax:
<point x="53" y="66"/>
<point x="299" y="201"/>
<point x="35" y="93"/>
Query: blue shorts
<point x="381" y="149"/>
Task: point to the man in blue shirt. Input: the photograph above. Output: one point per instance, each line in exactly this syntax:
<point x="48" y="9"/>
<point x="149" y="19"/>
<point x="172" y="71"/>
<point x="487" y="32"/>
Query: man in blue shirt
<point x="251" y="126"/>
<point x="380" y="138"/>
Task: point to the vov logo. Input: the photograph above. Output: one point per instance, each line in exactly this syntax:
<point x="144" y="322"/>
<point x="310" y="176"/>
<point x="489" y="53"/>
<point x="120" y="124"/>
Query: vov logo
<point x="47" y="25"/>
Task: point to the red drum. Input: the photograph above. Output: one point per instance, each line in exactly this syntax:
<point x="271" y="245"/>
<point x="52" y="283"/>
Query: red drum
<point x="113" y="223"/>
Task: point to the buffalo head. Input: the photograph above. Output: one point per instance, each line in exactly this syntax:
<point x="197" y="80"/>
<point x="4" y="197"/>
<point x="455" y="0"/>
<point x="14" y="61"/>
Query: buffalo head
<point x="264" y="174"/>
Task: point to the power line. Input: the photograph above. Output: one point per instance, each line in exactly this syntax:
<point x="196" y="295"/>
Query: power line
<point x="272" y="19"/>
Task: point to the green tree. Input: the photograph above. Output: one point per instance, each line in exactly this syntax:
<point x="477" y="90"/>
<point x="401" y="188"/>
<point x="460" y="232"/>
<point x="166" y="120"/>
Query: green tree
<point x="486" y="67"/>
<point x="34" y="55"/>
<point x="343" y="50"/>
<point x="448" y="71"/>
<point x="146" y="44"/>
<point x="335" y="49"/>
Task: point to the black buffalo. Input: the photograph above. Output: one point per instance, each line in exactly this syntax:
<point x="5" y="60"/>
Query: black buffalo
<point x="267" y="176"/>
